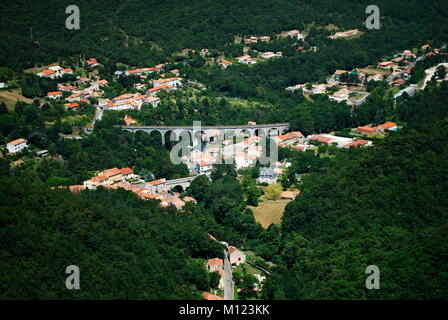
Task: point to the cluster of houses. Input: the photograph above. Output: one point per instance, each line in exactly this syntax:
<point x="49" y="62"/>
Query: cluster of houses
<point x="291" y="33"/>
<point x="375" y="130"/>
<point x="254" y="39"/>
<point x="54" y="72"/>
<point x="349" y="86"/>
<point x="79" y="94"/>
<point x="126" y="179"/>
<point x="243" y="154"/>
<point x="128" y="101"/>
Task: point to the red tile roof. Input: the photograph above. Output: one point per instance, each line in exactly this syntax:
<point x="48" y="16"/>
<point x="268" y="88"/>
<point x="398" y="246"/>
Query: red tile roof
<point x="55" y="93"/>
<point x="215" y="262"/>
<point x="126" y="171"/>
<point x="357" y="143"/>
<point x="388" y="125"/>
<point x="232" y="249"/>
<point x="321" y="139"/>
<point x="368" y="130"/>
<point x="111" y="172"/>
<point x="17" y="141"/>
<point x="157" y="182"/>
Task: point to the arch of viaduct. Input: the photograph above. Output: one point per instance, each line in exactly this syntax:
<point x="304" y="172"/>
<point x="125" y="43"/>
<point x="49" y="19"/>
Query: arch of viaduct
<point x="266" y="130"/>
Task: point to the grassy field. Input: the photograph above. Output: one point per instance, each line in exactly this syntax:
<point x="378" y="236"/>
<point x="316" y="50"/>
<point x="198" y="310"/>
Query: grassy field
<point x="269" y="212"/>
<point x="11" y="97"/>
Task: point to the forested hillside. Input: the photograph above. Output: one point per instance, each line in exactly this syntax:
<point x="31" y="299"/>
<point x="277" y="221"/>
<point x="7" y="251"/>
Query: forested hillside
<point x="145" y="32"/>
<point x="125" y="248"/>
<point x="385" y="206"/>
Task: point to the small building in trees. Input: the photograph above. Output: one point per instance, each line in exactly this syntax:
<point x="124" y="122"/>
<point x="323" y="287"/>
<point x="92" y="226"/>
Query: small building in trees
<point x="17" y="145"/>
<point x="267" y="175"/>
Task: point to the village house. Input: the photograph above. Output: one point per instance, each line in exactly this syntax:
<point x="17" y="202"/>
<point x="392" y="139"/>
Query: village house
<point x="399" y="82"/>
<point x="132" y="101"/>
<point x="316" y="88"/>
<point x="126" y="173"/>
<point x="224" y="64"/>
<point x="113" y="175"/>
<point x="177" y="203"/>
<point x="358" y="143"/>
<point x="367" y="130"/>
<point x="386" y="64"/>
<point x="174" y="82"/>
<point x="251" y="40"/>
<point x="102" y="103"/>
<point x="215" y="264"/>
<point x="329" y="139"/>
<point x="54" y="95"/>
<point x="67" y="88"/>
<point x="245" y="160"/>
<point x="246" y="59"/>
<point x="129" y="121"/>
<point x="158" y="186"/>
<point x="140" y="71"/>
<point x="267" y="175"/>
<point x="16" y="145"/>
<point x="236" y="256"/>
<point x="71" y="106"/>
<point x="54" y="72"/>
<point x="95" y="182"/>
<point x="295" y="87"/>
<point x="295" y="34"/>
<point x="190" y="200"/>
<point x="269" y="55"/>
<point x="344" y="34"/>
<point x="165" y="87"/>
<point x="92" y="63"/>
<point x="203" y="167"/>
<point x="389" y="125"/>
<point x="289" y="138"/>
<point x="340" y="95"/>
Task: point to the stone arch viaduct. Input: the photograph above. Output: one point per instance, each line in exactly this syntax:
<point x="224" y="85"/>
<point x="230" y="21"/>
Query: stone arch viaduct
<point x="266" y="130"/>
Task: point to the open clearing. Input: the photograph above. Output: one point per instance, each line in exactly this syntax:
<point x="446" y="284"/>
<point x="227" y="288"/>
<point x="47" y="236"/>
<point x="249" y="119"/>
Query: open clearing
<point x="269" y="212"/>
<point x="10" y="98"/>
